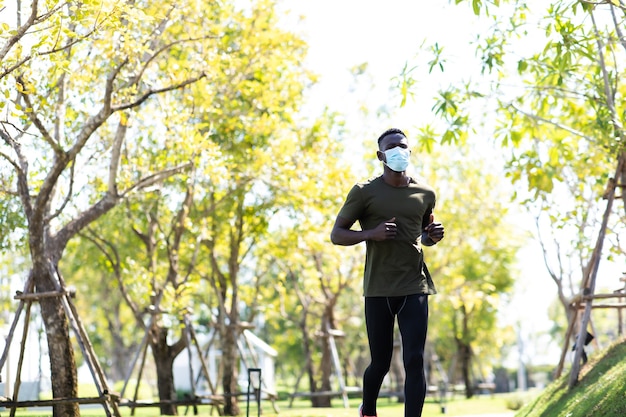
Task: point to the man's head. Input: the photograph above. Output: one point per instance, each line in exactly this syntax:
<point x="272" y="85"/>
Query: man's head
<point x="393" y="149"/>
<point x="389" y="132"/>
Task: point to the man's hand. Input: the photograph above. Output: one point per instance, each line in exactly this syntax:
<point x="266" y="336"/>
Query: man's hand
<point x="434" y="231"/>
<point x="385" y="230"/>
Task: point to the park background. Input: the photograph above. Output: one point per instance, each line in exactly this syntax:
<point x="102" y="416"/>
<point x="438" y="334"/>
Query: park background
<point x="376" y="66"/>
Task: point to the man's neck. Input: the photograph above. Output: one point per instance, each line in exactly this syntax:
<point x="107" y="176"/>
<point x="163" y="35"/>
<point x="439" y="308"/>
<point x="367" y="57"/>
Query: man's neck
<point x="395" y="179"/>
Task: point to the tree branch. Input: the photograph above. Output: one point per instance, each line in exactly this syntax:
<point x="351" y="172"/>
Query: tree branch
<point x="106" y="203"/>
<point x="618" y="27"/>
<point x="21" y="31"/>
<point x="164" y="49"/>
<point x="156" y="178"/>
<point x="608" y="92"/>
<point x="29" y="57"/>
<point x="7" y="157"/>
<point x="116" y="154"/>
<point x="152" y="92"/>
<point x="551" y="122"/>
<point x="112" y="255"/>
<point x="22" y="91"/>
<point x="60" y="239"/>
<point x="21" y="169"/>
<point x="178" y="229"/>
<point x="67" y="199"/>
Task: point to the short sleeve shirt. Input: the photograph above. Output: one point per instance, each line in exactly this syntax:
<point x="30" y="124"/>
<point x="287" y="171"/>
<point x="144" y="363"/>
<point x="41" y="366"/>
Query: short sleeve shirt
<point x="392" y="267"/>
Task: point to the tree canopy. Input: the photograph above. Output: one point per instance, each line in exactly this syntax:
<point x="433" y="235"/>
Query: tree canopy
<point x="155" y="155"/>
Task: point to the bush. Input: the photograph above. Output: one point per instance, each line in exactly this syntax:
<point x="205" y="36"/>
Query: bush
<point x="515" y="402"/>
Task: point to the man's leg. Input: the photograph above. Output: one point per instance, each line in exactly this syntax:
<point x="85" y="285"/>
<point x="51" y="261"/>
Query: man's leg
<point x="413" y="324"/>
<point x="379" y="322"/>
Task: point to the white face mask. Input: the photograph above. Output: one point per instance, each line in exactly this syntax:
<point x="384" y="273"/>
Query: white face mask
<point x="397" y="158"/>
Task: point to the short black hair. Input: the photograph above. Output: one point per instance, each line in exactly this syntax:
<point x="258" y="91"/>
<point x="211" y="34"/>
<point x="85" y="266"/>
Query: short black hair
<point x="388" y="132"/>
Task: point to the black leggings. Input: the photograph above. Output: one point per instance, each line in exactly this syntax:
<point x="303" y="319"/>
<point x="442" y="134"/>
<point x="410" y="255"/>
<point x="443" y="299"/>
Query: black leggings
<point x="412" y="313"/>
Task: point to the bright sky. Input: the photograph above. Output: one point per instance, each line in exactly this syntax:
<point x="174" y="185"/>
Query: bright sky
<point x="345" y="33"/>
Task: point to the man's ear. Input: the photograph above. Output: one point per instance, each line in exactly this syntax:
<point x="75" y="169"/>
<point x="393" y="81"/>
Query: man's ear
<point x="380" y="155"/>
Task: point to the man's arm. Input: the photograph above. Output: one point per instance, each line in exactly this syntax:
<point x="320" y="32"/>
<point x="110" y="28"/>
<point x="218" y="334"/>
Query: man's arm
<point x="344" y="236"/>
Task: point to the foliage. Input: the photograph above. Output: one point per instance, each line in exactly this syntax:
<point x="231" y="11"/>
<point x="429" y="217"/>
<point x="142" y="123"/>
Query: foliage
<point x="99" y="102"/>
<point x="546" y="85"/>
<point x="473" y="266"/>
<point x="515" y="402"/>
<point x="265" y="188"/>
<point x="316" y="283"/>
<point x="12" y="219"/>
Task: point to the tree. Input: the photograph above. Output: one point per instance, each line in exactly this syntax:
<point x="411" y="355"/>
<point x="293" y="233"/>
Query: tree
<point x="572" y="108"/>
<point x="473" y="267"/>
<point x="96" y="270"/>
<point x="251" y="117"/>
<point x="237" y="136"/>
<point x="316" y="277"/>
<point x="319" y="278"/>
<point x="148" y="251"/>
<point x="161" y="287"/>
<point x="74" y="77"/>
<point x="557" y="110"/>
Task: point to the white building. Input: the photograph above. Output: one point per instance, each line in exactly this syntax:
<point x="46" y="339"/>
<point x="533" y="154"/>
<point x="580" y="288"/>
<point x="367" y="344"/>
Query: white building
<point x="255" y="353"/>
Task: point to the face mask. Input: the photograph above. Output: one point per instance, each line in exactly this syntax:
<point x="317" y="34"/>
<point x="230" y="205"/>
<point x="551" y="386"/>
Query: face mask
<point x="397" y="158"/>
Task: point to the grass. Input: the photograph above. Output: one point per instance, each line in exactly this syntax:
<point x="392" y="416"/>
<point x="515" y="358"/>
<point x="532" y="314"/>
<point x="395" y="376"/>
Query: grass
<point x="458" y="406"/>
<point x="601" y="389"/>
<point x="600" y="392"/>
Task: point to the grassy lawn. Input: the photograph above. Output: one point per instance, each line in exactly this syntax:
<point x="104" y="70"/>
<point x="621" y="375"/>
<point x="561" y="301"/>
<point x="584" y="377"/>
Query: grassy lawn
<point x="458" y="406"/>
<point x="600" y="391"/>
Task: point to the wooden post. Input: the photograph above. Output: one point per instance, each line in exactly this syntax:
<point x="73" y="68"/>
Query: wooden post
<point x="568" y="335"/>
<point x="85" y="344"/>
<point x="20" y="362"/>
<point x="26" y="298"/>
<point x="27" y="289"/>
<point x="589" y="289"/>
<point x="333" y="347"/>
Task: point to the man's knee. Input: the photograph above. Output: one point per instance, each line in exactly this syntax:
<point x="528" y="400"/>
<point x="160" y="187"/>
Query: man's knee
<point x="413" y="361"/>
<point x="379" y="368"/>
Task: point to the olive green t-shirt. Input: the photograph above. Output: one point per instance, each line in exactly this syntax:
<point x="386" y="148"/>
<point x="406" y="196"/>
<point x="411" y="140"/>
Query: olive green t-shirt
<point x="393" y="267"/>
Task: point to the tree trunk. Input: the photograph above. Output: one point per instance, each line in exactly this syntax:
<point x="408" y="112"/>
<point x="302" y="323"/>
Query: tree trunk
<point x="308" y="354"/>
<point x="326" y="368"/>
<point x="465" y="354"/>
<point x="230" y="365"/>
<point x="62" y="363"/>
<point x="164" y="361"/>
<point x="164" y="356"/>
<point x="121" y="354"/>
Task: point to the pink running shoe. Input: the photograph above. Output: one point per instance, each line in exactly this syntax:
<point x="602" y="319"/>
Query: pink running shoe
<point x="361" y="412"/>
